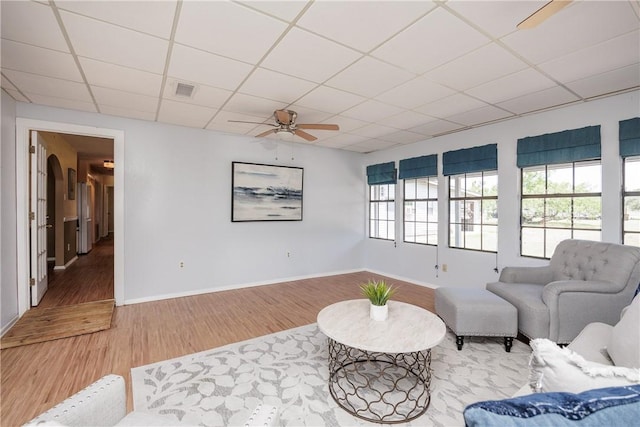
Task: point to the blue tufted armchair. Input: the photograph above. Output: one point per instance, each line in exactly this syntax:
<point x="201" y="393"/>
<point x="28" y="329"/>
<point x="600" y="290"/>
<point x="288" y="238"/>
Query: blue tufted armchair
<point x="584" y="282"/>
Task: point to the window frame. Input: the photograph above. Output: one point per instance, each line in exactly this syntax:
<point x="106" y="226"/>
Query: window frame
<point x="464" y="200"/>
<point x="572" y="196"/>
<point x="416" y="200"/>
<point x="377" y="220"/>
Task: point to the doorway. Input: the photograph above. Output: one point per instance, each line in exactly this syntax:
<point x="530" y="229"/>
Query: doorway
<point x="23" y="128"/>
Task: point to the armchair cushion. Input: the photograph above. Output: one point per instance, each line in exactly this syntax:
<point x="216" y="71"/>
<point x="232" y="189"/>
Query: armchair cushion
<point x="624" y="345"/>
<point x="561" y="369"/>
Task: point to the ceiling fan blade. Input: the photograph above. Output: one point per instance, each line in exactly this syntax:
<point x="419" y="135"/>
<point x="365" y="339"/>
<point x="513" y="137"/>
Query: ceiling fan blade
<point x="540" y="15"/>
<point x="319" y="126"/>
<point x="255" y="123"/>
<point x="303" y="134"/>
<point x="265" y="133"/>
<point x="283" y="116"/>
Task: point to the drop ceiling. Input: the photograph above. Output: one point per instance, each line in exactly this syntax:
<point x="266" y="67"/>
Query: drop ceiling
<point x="387" y="72"/>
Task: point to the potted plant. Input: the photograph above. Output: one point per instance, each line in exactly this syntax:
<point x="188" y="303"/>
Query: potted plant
<point x="378" y="293"/>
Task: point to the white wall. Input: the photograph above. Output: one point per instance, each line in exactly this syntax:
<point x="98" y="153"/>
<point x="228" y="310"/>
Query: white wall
<point x="177" y="208"/>
<point x="474" y="269"/>
<point x="8" y="266"/>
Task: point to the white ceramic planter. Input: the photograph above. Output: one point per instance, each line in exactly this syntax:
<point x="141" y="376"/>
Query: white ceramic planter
<point x="379" y="312"/>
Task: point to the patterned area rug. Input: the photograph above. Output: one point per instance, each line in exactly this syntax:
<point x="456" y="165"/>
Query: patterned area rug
<point x="289" y="370"/>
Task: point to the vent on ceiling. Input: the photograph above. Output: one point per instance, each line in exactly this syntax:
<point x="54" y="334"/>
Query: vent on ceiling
<point x="185" y="90"/>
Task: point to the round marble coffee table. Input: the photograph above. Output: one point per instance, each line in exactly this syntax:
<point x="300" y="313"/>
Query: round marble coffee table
<point x="380" y="370"/>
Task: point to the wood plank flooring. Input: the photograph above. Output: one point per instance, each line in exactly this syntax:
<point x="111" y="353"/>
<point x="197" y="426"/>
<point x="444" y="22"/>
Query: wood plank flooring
<point x="36" y="377"/>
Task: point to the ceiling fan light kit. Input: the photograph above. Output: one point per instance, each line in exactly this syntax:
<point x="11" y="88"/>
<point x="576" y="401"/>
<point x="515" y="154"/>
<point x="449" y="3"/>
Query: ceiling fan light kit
<point x="286" y="125"/>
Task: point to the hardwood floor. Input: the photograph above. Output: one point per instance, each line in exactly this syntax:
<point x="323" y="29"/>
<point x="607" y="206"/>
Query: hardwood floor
<point x="36" y="377"/>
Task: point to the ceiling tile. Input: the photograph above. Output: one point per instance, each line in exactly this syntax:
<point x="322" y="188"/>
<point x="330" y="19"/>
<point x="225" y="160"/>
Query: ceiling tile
<point x="508" y="87"/>
<point x="374" y="130"/>
<point x="538" y="100"/>
<point x="407" y="120"/>
<point x="252" y="105"/>
<point x="151" y="17"/>
<point x="16" y="95"/>
<point x="47" y="86"/>
<point x="221" y="121"/>
<point x="612" y="81"/>
<point x="436" y="128"/>
<point x="190" y="115"/>
<point x="372" y="111"/>
<point x="228" y="73"/>
<point x="369" y="77"/>
<point x="331" y="100"/>
<point x="126" y="100"/>
<point x="573" y="28"/>
<point x="414" y="93"/>
<point x="204" y="95"/>
<point x="37" y="60"/>
<point x="450" y="37"/>
<point x="43" y="29"/>
<point x="480" y="66"/>
<point x="116" y="77"/>
<point x="485" y="114"/>
<point x="362" y="25"/>
<point x="223" y="28"/>
<point x="272" y="85"/>
<point x="335" y="142"/>
<point x="451" y="105"/>
<point x="345" y="139"/>
<point x="403" y="137"/>
<point x="226" y="128"/>
<point x="61" y="102"/>
<point x="347" y="124"/>
<point x="302" y="54"/>
<point x="497" y="18"/>
<point x="609" y="55"/>
<point x="283" y="9"/>
<point x="309" y="115"/>
<point x="127" y="112"/>
<point x="109" y="43"/>
<point x="5" y="83"/>
<point x="371" y="145"/>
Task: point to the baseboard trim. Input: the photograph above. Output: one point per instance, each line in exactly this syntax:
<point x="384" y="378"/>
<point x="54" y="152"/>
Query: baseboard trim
<point x="404" y="279"/>
<point x="64" y="267"/>
<point x="233" y="287"/>
<point x="9" y="325"/>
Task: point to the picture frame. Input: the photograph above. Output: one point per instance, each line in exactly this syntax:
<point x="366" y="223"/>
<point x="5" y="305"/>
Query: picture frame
<point x="261" y="192"/>
<point x="71" y="184"/>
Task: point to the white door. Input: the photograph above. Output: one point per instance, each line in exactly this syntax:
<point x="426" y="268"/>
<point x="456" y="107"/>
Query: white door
<point x="38" y="218"/>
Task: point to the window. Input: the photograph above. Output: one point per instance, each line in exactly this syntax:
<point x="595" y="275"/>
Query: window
<point x="473" y="211"/>
<point x="382" y="211"/>
<point x="560" y="201"/>
<point x="421" y="210"/>
<point x="631" y="202"/>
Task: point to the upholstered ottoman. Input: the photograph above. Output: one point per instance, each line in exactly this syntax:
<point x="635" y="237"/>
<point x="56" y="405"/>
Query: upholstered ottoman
<point x="476" y="312"/>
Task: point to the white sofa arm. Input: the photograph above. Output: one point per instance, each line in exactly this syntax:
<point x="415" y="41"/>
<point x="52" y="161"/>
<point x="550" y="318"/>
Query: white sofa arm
<point x="103" y="403"/>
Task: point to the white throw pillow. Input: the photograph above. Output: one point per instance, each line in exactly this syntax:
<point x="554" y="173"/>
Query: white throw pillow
<point x="624" y="342"/>
<point x="553" y="368"/>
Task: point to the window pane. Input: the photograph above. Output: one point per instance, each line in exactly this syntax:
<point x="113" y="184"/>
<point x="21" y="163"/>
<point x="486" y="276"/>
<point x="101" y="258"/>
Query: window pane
<point x="558" y="212"/>
<point x="553" y="238"/>
<point x="391" y="231"/>
<point x="421" y="233"/>
<point x="474" y="185"/>
<point x="373" y="210"/>
<point x="432" y="233"/>
<point x="472" y="237"/>
<point x="456" y="238"/>
<point x="588" y="177"/>
<point x="373" y="230"/>
<point x="472" y="213"/>
<point x="490" y="184"/>
<point x="587" y="212"/>
<point x="631" y="213"/>
<point x="421" y="211"/>
<point x="391" y="211"/>
<point x="410" y="189"/>
<point x="533" y="212"/>
<point x="382" y="229"/>
<point x="409" y="211"/>
<point x="560" y="179"/>
<point x="382" y="211"/>
<point x="632" y="174"/>
<point x="390" y="191"/>
<point x="533" y="180"/>
<point x="456" y="210"/>
<point x="422" y="188"/>
<point x="432" y="211"/>
<point x="409" y="232"/>
<point x="587" y="235"/>
<point x="433" y="187"/>
<point x="489" y="211"/>
<point x="632" y="239"/>
<point x="533" y="242"/>
<point x="490" y="238"/>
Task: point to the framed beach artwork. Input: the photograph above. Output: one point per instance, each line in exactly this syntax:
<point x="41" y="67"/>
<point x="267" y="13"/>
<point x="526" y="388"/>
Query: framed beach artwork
<point x="265" y="192"/>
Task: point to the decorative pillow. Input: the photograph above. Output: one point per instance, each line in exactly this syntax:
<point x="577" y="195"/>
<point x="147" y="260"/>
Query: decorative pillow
<point x="624" y="341"/>
<point x="613" y="406"/>
<point x="552" y="368"/>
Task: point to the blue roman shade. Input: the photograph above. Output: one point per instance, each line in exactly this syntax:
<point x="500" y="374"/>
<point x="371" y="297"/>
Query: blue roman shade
<point x="419" y="167"/>
<point x="629" y="134"/>
<point x="382" y="173"/>
<point x="560" y="147"/>
<point x="476" y="159"/>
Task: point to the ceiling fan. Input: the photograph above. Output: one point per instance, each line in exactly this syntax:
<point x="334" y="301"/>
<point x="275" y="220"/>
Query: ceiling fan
<point x="542" y="14"/>
<point x="286" y="123"/>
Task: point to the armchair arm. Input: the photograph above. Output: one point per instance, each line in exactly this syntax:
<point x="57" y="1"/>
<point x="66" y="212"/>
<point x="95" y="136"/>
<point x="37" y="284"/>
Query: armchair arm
<point x="573" y="304"/>
<point x="535" y="275"/>
<point x="103" y="403"/>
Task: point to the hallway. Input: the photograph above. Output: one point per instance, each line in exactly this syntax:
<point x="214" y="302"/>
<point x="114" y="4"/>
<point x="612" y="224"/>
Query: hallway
<point x="88" y="279"/>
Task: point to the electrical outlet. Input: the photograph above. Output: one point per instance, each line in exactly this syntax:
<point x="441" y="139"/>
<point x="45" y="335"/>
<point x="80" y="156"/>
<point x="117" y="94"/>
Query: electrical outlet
<point x="288" y="254"/>
<point x="444" y="268"/>
<point x="68" y="246"/>
<point x="181" y="264"/>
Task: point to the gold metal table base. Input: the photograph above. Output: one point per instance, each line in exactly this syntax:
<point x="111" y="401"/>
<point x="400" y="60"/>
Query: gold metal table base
<point x="379" y="387"/>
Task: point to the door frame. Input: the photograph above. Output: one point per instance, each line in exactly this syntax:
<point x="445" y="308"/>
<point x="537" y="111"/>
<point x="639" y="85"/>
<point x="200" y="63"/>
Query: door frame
<point x="23" y="128"/>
